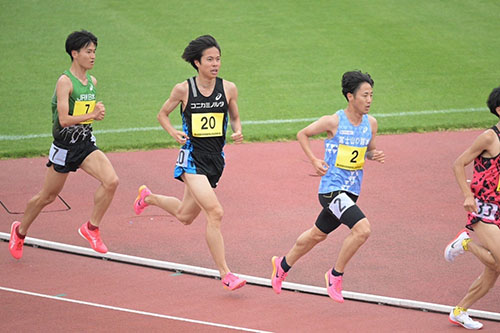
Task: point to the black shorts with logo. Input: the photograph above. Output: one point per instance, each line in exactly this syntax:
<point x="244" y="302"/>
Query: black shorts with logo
<point x="69" y="158"/>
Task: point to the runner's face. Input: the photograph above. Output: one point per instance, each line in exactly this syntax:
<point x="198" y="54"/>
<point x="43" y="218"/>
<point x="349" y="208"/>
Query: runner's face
<point x="210" y="63"/>
<point x="362" y="99"/>
<point x="85" y="57"/>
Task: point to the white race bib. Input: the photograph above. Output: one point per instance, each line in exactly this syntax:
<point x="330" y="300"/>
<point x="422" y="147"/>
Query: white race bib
<point x="57" y="155"/>
<point x="340" y="204"/>
<point x="486" y="210"/>
<point x="182" y="158"/>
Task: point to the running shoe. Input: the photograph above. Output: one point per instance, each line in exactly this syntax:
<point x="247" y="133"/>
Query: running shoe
<point x="15" y="243"/>
<point x="232" y="282"/>
<point x="93" y="237"/>
<point x="279" y="274"/>
<point x="455" y="247"/>
<point x="140" y="204"/>
<point x="464" y="320"/>
<point x="334" y="286"/>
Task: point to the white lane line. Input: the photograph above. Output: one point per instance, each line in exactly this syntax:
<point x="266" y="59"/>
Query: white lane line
<point x="247" y="122"/>
<point x="115" y="308"/>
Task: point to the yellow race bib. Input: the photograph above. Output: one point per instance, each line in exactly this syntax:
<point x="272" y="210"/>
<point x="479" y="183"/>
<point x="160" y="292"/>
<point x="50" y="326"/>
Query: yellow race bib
<point x="84" y="107"/>
<point x="350" y="158"/>
<point x="205" y="125"/>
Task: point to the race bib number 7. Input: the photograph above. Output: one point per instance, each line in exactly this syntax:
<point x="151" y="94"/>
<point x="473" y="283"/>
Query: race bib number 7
<point x="84" y="107"/>
<point x="205" y="125"/>
<point x="350" y="158"/>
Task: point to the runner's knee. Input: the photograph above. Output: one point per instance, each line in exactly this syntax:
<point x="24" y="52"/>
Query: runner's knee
<point x="44" y="199"/>
<point x="111" y="183"/>
<point x="214" y="215"/>
<point x="362" y="230"/>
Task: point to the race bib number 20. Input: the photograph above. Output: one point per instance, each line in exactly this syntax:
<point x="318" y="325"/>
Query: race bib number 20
<point x="205" y="125"/>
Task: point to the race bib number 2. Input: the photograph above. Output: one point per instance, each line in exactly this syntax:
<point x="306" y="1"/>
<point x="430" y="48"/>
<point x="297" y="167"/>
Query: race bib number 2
<point x="205" y="125"/>
<point x="340" y="204"/>
<point x="350" y="158"/>
<point x="84" y="107"/>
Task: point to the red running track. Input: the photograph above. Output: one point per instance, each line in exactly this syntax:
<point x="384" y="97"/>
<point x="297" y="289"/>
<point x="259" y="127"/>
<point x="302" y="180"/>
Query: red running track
<point x="270" y="196"/>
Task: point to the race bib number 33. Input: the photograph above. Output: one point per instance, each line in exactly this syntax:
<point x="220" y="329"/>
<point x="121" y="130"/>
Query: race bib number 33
<point x="350" y="158"/>
<point x="84" y="107"/>
<point x="205" y="125"/>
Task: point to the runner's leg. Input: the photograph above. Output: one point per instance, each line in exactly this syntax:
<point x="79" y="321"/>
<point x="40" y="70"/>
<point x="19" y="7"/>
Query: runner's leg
<point x="98" y="166"/>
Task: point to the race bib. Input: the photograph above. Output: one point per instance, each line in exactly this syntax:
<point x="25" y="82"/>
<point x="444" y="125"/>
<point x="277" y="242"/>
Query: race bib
<point x="182" y="158"/>
<point x="340" y="204"/>
<point x="57" y="155"/>
<point x="84" y="107"/>
<point x="486" y="210"/>
<point x="205" y="125"/>
<point x="350" y="158"/>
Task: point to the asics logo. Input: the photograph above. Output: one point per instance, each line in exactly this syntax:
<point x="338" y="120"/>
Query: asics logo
<point x="219" y="95"/>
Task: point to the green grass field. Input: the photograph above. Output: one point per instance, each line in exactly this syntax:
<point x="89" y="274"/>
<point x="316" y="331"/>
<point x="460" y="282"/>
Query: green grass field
<point x="286" y="58"/>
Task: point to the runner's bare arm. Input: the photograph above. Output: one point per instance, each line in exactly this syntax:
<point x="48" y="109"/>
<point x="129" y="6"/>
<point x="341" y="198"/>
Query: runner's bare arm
<point x="325" y="124"/>
<point x="372" y="152"/>
<point x="178" y="95"/>
<point x="64" y="88"/>
<point x="234" y="115"/>
<point x="482" y="143"/>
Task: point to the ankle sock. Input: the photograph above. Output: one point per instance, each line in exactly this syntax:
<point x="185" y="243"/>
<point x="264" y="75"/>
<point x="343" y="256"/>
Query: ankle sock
<point x="18" y="234"/>
<point x="457" y="310"/>
<point x="335" y="273"/>
<point x="284" y="265"/>
<point x="465" y="244"/>
<point x="91" y="226"/>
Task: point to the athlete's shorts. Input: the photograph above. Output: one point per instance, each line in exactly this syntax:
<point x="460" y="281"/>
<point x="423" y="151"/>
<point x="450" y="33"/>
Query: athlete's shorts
<point x="200" y="163"/>
<point x="339" y="207"/>
<point x="474" y="218"/>
<point x="67" y="159"/>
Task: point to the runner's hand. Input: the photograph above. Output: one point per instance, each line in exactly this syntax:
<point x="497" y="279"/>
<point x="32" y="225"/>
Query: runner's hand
<point x="320" y="166"/>
<point x="99" y="111"/>
<point x="180" y="137"/>
<point x="237" y="137"/>
<point x="376" y="155"/>
<point x="470" y="204"/>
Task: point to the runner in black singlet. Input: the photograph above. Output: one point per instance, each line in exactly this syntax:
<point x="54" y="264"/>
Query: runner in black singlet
<point x="206" y="101"/>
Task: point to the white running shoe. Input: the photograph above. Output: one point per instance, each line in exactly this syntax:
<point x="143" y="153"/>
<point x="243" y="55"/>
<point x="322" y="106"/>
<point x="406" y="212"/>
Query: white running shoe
<point x="464" y="320"/>
<point x="455" y="247"/>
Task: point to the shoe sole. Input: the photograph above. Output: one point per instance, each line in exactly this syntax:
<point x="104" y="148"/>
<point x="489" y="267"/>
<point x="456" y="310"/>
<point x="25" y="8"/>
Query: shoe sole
<point x="450" y="243"/>
<point x="459" y="324"/>
<point x="237" y="287"/>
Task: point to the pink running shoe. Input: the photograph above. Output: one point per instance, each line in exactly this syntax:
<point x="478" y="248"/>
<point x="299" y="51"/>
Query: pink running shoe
<point x="232" y="282"/>
<point x="15" y="243"/>
<point x="334" y="286"/>
<point x="93" y="237"/>
<point x="279" y="274"/>
<point x="140" y="204"/>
